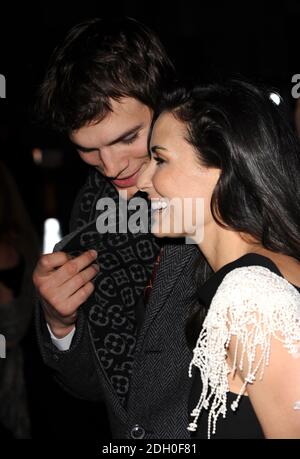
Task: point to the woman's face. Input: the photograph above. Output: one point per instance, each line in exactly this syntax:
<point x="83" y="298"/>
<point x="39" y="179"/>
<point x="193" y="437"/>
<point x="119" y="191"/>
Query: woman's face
<point x="180" y="188"/>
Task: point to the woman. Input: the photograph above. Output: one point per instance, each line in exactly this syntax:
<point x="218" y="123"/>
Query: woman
<point x="230" y="147"/>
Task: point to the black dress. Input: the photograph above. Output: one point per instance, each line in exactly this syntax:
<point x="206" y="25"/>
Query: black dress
<point x="242" y="423"/>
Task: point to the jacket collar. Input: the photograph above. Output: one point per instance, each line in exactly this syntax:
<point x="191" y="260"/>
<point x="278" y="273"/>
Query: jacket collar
<point x="173" y="260"/>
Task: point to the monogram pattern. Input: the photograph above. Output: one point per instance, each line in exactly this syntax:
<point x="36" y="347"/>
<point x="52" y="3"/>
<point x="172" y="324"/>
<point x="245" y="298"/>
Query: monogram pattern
<point x="126" y="261"/>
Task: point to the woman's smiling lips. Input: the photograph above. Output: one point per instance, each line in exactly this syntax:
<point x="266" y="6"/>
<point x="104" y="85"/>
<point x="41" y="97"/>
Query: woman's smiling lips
<point x="158" y="204"/>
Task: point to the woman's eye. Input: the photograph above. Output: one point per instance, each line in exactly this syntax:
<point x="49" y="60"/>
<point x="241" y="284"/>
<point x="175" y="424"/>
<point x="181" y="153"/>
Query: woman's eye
<point x="158" y="160"/>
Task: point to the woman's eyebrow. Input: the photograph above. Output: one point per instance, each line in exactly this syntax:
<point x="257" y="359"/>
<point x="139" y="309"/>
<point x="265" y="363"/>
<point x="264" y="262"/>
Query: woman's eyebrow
<point x="157" y="147"/>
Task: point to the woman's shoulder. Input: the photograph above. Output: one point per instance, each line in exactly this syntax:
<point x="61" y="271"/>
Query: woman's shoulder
<point x="257" y="280"/>
<point x="255" y="275"/>
<point x="255" y="296"/>
<point x="256" y="289"/>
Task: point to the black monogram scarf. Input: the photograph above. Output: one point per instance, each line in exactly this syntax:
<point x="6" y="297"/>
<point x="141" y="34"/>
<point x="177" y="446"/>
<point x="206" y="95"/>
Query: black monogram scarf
<point x="126" y="261"/>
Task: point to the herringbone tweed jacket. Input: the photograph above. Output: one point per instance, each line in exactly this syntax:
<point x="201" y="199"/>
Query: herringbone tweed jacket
<point x="135" y="358"/>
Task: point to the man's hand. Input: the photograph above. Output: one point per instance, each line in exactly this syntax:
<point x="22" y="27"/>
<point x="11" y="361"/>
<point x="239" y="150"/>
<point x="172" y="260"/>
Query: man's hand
<point x="64" y="284"/>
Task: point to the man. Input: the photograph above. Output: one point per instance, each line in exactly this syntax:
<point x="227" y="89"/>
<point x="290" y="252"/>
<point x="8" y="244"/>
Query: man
<point x="96" y="332"/>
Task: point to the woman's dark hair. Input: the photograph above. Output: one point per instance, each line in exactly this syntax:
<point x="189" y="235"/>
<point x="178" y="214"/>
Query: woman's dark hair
<point x="237" y="128"/>
<point x="99" y="60"/>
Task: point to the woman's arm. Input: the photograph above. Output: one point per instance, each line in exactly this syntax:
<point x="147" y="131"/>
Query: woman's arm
<point x="274" y="397"/>
<point x="264" y="351"/>
<point x="250" y="345"/>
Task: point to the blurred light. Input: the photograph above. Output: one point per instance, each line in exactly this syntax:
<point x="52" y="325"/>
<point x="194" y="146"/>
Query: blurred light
<point x="37" y="156"/>
<point x="2" y="87"/>
<point x="52" y="234"/>
<point x="275" y="98"/>
<point x="50" y="158"/>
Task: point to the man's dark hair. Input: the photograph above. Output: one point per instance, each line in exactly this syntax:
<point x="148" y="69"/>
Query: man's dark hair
<point x="101" y="60"/>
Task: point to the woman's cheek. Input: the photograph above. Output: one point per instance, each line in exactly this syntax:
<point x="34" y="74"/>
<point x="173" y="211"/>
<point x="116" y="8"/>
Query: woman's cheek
<point x="165" y="185"/>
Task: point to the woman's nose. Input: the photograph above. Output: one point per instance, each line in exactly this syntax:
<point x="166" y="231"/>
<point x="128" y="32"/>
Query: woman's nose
<point x="144" y="181"/>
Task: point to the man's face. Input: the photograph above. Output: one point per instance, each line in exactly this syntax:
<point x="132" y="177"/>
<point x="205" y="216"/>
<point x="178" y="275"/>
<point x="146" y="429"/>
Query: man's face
<point x="117" y="145"/>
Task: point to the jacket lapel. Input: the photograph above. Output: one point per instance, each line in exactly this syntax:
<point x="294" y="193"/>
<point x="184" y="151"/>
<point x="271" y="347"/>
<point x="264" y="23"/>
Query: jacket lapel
<point x="174" y="258"/>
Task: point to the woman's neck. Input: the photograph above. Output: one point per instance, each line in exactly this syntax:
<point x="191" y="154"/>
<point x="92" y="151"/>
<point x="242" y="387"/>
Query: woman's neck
<point x="221" y="246"/>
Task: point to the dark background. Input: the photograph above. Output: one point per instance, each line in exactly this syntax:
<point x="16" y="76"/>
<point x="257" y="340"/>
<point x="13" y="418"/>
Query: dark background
<point x="258" y="40"/>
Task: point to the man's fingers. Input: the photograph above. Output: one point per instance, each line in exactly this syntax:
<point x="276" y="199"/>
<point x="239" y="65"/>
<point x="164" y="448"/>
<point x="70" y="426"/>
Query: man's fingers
<point x="70" y="287"/>
<point x="79" y="298"/>
<point x="49" y="262"/>
<point x="65" y="288"/>
<point x="67" y="313"/>
<point x="71" y="269"/>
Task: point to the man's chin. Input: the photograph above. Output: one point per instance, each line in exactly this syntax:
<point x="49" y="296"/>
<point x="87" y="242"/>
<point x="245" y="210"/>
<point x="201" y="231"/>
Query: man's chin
<point x="126" y="192"/>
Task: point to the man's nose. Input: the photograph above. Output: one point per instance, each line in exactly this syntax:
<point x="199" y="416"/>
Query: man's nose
<point x="144" y="181"/>
<point x="112" y="166"/>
